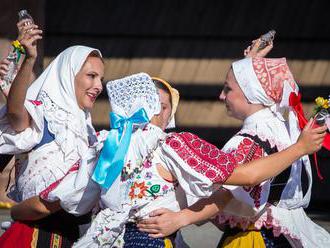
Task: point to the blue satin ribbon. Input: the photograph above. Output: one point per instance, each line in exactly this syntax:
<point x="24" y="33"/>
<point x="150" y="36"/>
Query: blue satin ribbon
<point x="112" y="158"/>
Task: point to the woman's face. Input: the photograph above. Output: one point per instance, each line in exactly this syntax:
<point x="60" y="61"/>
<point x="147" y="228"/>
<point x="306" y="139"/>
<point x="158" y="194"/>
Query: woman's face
<point x="88" y="82"/>
<point x="232" y="95"/>
<point x="161" y="120"/>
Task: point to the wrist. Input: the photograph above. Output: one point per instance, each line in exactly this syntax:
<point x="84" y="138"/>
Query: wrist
<point x="30" y="59"/>
<point x="184" y="219"/>
<point x="300" y="149"/>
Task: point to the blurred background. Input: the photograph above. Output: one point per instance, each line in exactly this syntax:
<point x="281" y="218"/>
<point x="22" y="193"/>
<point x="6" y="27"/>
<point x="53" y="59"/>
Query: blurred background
<point x="191" y="44"/>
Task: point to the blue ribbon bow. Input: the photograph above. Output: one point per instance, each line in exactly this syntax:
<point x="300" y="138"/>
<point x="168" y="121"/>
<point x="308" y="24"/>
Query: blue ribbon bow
<point x="112" y="158"/>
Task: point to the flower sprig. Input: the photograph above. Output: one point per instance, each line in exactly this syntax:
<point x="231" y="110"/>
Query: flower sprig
<point x="18" y="46"/>
<point x="321" y="104"/>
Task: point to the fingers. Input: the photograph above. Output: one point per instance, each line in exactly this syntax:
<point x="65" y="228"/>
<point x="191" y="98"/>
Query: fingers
<point x="159" y="211"/>
<point x="4" y="67"/>
<point x="149" y="221"/>
<point x="267" y="49"/>
<point x="29" y="33"/>
<point x="255" y="46"/>
<point x="159" y="235"/>
<point x="29" y="40"/>
<point x="151" y="231"/>
<point x="27" y="28"/>
<point x="320" y="130"/>
<point x="148" y="226"/>
<point x="22" y="23"/>
<point x="308" y="125"/>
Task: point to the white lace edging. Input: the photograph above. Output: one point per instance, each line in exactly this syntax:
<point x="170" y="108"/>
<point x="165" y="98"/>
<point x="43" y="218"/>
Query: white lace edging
<point x="265" y="220"/>
<point x="71" y="133"/>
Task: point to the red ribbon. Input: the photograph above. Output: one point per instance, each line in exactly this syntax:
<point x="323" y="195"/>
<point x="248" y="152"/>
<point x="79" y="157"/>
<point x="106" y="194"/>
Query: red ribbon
<point x="295" y="103"/>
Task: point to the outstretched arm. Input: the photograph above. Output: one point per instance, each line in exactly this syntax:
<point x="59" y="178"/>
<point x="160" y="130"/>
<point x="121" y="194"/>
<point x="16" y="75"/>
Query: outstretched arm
<point x="257" y="171"/>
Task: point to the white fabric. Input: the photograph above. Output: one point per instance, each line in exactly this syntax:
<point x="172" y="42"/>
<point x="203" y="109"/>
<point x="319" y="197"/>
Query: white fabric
<point x="249" y="83"/>
<point x="12" y="142"/>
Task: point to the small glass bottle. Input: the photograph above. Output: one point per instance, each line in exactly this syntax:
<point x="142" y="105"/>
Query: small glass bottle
<point x="13" y="56"/>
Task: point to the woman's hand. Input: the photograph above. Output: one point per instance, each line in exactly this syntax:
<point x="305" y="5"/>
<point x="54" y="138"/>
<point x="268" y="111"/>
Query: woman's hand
<point x="162" y="223"/>
<point x="28" y="37"/>
<point x="311" y="139"/>
<point x="4" y="63"/>
<point x="23" y="26"/>
<point x="253" y="51"/>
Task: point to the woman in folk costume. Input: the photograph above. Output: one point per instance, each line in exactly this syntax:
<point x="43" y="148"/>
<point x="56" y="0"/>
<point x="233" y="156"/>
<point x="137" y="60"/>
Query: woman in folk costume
<point x="53" y="125"/>
<point x="275" y="207"/>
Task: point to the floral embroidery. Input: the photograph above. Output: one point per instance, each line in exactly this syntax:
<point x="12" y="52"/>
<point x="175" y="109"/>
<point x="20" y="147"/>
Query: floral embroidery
<point x="154" y="189"/>
<point x="148" y="175"/>
<point x="272" y="73"/>
<point x="147" y="163"/>
<point x="242" y="155"/>
<point x="138" y="190"/>
<point x="203" y="157"/>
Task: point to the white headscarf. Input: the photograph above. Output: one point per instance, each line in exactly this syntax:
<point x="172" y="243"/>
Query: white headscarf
<point x="55" y="88"/>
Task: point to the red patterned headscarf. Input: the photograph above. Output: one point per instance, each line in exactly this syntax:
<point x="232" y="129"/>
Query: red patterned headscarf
<point x="265" y="81"/>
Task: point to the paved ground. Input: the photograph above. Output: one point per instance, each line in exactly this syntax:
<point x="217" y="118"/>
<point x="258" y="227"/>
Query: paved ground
<point x="208" y="235"/>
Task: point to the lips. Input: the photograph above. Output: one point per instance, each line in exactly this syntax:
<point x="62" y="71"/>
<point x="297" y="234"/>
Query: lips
<point x="92" y="96"/>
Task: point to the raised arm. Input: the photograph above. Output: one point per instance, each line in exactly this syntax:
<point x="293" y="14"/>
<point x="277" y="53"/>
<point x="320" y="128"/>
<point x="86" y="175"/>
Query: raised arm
<point x="18" y="116"/>
<point x="257" y="171"/>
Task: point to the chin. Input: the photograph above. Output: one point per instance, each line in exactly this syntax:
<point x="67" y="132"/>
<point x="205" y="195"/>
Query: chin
<point x="88" y="107"/>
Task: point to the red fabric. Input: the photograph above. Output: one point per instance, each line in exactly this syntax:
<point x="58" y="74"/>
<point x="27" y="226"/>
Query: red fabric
<point x="272" y="73"/>
<point x="35" y="102"/>
<point x="247" y="151"/>
<point x="295" y="103"/>
<point x="44" y="194"/>
<point x="19" y="235"/>
<point x="202" y="156"/>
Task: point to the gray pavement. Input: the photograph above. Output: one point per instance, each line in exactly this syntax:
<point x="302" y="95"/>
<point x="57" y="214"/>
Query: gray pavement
<point x="208" y="235"/>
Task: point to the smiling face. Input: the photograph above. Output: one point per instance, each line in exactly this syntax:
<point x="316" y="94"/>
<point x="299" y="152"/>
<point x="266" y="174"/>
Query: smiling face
<point x="234" y="98"/>
<point x="162" y="119"/>
<point x="88" y="82"/>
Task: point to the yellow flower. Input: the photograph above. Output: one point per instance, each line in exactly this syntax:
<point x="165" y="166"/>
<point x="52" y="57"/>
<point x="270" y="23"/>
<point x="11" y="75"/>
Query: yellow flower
<point x="325" y="104"/>
<point x="18" y="46"/>
<point x="320" y="101"/>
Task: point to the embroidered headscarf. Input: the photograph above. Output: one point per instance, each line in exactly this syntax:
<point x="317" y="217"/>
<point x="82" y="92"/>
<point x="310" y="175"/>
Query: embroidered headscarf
<point x="55" y="88"/>
<point x="265" y="81"/>
<point x="175" y="97"/>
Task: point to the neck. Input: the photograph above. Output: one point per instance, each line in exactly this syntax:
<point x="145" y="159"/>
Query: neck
<point x="253" y="109"/>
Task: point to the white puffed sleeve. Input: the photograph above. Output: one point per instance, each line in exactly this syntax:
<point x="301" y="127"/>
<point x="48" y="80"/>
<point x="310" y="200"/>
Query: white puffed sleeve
<point x="12" y="142"/>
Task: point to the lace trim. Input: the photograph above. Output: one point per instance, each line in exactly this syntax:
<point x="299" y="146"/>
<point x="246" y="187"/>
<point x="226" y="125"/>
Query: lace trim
<point x="70" y="132"/>
<point x="265" y="220"/>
